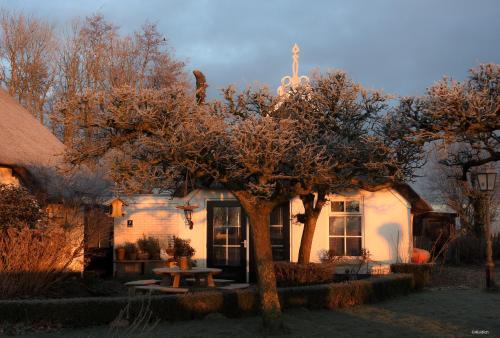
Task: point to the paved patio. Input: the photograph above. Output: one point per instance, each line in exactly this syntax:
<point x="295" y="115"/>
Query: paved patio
<point x="448" y="312"/>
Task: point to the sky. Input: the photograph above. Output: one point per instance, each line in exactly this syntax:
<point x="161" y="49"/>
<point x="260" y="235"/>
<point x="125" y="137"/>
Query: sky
<point x="400" y="46"/>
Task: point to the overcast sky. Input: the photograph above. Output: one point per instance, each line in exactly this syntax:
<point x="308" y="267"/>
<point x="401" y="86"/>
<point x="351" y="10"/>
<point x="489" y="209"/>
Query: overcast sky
<point x="399" y="46"/>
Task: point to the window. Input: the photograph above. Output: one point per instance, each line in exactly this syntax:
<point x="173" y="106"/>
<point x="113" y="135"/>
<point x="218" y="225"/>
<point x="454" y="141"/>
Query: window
<point x="346" y="227"/>
<point x="279" y="229"/>
<point x="276" y="229"/>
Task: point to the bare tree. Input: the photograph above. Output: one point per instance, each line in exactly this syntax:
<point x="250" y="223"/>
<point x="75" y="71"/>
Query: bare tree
<point x="94" y="57"/>
<point x="27" y="51"/>
<point x="462" y="119"/>
<point x="361" y="144"/>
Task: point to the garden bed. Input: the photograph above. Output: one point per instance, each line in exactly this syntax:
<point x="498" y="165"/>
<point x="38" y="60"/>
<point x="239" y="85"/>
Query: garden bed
<point x="90" y="311"/>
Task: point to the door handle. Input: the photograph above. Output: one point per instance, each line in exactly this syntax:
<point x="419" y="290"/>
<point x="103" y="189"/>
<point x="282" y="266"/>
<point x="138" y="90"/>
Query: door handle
<point x="244" y="242"/>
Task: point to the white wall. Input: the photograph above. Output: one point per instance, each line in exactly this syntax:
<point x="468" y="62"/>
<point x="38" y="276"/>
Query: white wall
<point x="156" y="215"/>
<point x="384" y="214"/>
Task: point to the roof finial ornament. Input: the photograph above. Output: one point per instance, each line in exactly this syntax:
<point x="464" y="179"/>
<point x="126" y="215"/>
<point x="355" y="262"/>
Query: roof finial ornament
<point x="290" y="82"/>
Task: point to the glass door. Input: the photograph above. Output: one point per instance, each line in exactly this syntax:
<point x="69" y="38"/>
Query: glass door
<point x="226" y="235"/>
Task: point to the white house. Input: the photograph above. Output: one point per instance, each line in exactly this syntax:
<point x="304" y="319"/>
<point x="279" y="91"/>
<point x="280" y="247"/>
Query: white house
<point x="379" y="221"/>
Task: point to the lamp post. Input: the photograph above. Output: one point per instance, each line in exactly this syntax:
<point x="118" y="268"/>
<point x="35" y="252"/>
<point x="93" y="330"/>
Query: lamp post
<point x="486" y="183"/>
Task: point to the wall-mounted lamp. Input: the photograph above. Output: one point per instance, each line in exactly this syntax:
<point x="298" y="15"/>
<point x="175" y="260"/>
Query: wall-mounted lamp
<point x="188" y="213"/>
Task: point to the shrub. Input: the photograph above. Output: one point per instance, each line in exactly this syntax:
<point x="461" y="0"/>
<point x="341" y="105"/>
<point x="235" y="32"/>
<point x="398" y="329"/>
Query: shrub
<point x="34" y="260"/>
<point x="466" y="248"/>
<point x="18" y="207"/>
<point x="421" y="272"/>
<point x="182" y="248"/>
<point x="293" y="274"/>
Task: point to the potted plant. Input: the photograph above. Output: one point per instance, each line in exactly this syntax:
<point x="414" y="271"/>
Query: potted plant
<point x="120" y="253"/>
<point x="183" y="252"/>
<point x="150" y="246"/>
<point x="130" y="250"/>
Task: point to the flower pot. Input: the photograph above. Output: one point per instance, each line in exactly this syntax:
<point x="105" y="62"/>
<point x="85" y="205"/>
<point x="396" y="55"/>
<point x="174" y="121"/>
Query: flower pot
<point x="183" y="262"/>
<point x="120" y="254"/>
<point x="143" y="256"/>
<point x="132" y="256"/>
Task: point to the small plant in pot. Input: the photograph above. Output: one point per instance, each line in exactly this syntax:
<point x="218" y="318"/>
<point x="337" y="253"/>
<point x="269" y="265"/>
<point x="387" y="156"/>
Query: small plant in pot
<point x="183" y="252"/>
<point x="120" y="252"/>
<point x="150" y="246"/>
<point x="130" y="251"/>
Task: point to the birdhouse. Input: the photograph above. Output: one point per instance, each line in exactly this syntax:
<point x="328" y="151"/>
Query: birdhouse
<point x="116" y="205"/>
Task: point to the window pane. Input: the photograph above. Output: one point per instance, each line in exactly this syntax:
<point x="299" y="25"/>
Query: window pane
<point x="337" y="245"/>
<point x="278" y="253"/>
<point x="276" y="217"/>
<point x="353" y="226"/>
<point x="352" y="206"/>
<point x="233" y="257"/>
<point x="220" y="216"/>
<point x="353" y="246"/>
<point x="337" y="226"/>
<point x="220" y="236"/>
<point x="233" y="216"/>
<point x="219" y="255"/>
<point x="276" y="235"/>
<point x="337" y="206"/>
<point x="234" y="237"/>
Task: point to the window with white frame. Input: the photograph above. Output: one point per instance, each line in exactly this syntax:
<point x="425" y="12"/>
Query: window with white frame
<point x="346" y="232"/>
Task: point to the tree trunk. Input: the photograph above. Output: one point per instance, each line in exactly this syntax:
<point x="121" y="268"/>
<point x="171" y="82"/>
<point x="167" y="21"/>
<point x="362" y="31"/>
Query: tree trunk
<point x="311" y="211"/>
<point x="258" y="212"/>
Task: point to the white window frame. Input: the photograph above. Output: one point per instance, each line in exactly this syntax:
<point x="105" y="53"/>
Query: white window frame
<point x="345" y="214"/>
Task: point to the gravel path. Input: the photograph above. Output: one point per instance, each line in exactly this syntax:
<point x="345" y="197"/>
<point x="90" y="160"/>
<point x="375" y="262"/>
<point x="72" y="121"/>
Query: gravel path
<point x="450" y="312"/>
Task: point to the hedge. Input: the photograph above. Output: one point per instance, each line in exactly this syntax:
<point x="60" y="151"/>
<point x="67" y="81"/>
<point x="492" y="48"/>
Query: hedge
<point x="77" y="312"/>
<point x="421" y="272"/>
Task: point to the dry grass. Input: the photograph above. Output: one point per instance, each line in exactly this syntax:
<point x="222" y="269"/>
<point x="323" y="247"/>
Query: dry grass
<point x="464" y="276"/>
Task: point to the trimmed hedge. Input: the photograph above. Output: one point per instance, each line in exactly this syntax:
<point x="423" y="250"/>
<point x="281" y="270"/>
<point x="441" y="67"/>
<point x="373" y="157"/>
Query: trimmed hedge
<point x="97" y="311"/>
<point x="295" y="274"/>
<point x="421" y="272"/>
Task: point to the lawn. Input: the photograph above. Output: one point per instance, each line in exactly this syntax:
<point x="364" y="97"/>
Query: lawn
<point x="453" y="308"/>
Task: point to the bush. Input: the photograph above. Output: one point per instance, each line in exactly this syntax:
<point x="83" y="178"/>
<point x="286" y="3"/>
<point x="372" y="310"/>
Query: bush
<point x="18" y="207"/>
<point x="466" y="248"/>
<point x="421" y="272"/>
<point x="34" y="260"/>
<point x="293" y="274"/>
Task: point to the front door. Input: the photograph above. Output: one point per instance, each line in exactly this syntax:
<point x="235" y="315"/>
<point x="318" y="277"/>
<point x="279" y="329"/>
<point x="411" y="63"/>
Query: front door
<point x="226" y="239"/>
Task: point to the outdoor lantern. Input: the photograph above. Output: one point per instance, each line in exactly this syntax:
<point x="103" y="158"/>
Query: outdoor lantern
<point x="188" y="213"/>
<point x="486" y="180"/>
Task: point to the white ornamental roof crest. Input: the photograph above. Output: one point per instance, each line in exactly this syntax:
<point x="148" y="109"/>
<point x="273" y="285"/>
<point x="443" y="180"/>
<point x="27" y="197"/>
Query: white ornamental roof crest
<point x="290" y="82"/>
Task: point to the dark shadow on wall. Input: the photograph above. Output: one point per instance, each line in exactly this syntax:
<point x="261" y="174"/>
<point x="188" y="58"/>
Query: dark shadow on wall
<point x="392" y="233"/>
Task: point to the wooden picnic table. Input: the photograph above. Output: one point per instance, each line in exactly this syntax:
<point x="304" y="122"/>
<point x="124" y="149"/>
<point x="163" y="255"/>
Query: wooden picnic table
<point x="197" y="273"/>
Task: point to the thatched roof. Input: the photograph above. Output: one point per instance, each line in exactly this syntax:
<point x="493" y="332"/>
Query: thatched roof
<point x="24" y="141"/>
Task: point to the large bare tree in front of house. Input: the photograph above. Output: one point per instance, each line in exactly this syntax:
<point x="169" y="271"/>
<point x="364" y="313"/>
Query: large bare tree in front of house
<point x="361" y="143"/>
<point x="27" y="50"/>
<point x="463" y="120"/>
<point x="154" y="138"/>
